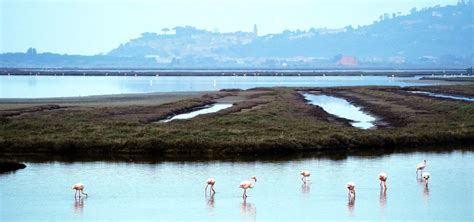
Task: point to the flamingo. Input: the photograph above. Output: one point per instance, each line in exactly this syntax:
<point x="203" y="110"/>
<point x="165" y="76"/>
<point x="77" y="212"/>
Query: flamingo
<point x="383" y="180"/>
<point x="420" y="167"/>
<point x="305" y="175"/>
<point x="79" y="187"/>
<point x="210" y="182"/>
<point x="247" y="184"/>
<point x="426" y="176"/>
<point x="351" y="188"/>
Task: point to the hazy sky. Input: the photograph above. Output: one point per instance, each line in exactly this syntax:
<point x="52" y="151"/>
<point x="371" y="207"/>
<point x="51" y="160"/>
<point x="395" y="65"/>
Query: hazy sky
<point x="97" y="26"/>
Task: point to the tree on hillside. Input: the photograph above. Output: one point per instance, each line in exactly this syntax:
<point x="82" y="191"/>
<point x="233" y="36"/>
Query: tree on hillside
<point x="165" y="30"/>
<point x="31" y="51"/>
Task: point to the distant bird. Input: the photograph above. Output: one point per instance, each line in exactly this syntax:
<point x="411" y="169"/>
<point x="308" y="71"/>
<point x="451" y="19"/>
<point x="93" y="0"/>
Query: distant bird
<point x="426" y="176"/>
<point x="79" y="187"/>
<point x="383" y="180"/>
<point x="351" y="188"/>
<point x="247" y="184"/>
<point x="305" y="175"/>
<point x="210" y="182"/>
<point x="420" y="167"/>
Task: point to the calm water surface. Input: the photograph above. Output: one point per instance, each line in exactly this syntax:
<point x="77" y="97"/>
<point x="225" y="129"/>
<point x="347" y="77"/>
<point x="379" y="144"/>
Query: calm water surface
<point x="175" y="190"/>
<point x="68" y="86"/>
<point x="205" y="110"/>
<point x="440" y="95"/>
<point x="342" y="108"/>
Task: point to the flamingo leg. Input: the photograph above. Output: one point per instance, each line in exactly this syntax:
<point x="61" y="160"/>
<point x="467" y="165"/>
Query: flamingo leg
<point x="75" y="194"/>
<point x="212" y="189"/>
<point x="206" y="188"/>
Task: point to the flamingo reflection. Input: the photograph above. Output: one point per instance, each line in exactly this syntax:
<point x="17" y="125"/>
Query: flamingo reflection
<point x="78" y="205"/>
<point x="210" y="201"/>
<point x="305" y="188"/>
<point x="248" y="210"/>
<point x="426" y="194"/>
<point x="383" y="198"/>
<point x="350" y="204"/>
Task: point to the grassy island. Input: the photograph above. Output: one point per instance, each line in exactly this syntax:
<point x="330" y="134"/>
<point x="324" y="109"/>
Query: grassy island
<point x="261" y="121"/>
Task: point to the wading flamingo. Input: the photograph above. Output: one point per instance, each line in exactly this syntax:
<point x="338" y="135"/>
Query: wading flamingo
<point x="210" y="182"/>
<point x="79" y="187"/>
<point x="247" y="184"/>
<point x="426" y="176"/>
<point x="305" y="175"/>
<point x="420" y="167"/>
<point x="351" y="188"/>
<point x="383" y="180"/>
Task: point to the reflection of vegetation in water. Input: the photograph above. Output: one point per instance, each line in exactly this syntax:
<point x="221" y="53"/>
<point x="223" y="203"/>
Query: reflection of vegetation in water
<point x="264" y="158"/>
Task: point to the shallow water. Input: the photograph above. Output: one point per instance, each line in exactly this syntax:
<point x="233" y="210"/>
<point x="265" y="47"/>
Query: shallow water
<point x="175" y="190"/>
<point x="205" y="110"/>
<point x="342" y="108"/>
<point x="440" y="95"/>
<point x="68" y="86"/>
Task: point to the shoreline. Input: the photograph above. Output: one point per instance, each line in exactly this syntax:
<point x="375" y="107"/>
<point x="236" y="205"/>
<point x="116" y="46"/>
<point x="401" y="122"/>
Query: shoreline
<point x="230" y="72"/>
<point x="245" y="157"/>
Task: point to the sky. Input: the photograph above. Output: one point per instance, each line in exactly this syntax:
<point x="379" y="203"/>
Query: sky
<point x="90" y="27"/>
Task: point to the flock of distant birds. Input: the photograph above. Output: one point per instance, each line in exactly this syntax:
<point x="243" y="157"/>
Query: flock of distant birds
<point x="79" y="187"/>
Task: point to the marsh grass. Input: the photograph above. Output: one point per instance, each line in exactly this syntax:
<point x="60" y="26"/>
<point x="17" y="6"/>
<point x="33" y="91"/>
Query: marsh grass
<point x="265" y="121"/>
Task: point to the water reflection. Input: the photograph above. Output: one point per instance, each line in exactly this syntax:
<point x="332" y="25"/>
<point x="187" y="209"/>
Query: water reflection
<point x="305" y="188"/>
<point x="78" y="205"/>
<point x="342" y="108"/>
<point x="420" y="180"/>
<point x="350" y="204"/>
<point x="446" y="96"/>
<point x="248" y="210"/>
<point x="67" y="86"/>
<point x="383" y="198"/>
<point x="282" y="156"/>
<point x="210" y="201"/>
<point x="426" y="194"/>
<point x="204" y="110"/>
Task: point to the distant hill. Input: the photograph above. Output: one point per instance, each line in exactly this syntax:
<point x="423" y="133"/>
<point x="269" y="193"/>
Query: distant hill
<point x="427" y="38"/>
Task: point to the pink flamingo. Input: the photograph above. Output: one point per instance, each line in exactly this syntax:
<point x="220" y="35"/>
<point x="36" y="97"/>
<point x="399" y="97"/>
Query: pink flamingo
<point x="420" y="167"/>
<point x="426" y="176"/>
<point x="79" y="187"/>
<point x="305" y="175"/>
<point x="210" y="182"/>
<point x="351" y="188"/>
<point x="383" y="180"/>
<point x="247" y="184"/>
